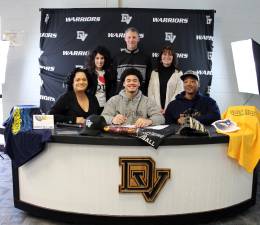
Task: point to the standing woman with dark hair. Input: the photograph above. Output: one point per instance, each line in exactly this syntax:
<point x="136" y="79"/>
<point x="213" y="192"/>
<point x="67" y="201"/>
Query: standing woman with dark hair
<point x="77" y="103"/>
<point x="165" y="82"/>
<point x="104" y="78"/>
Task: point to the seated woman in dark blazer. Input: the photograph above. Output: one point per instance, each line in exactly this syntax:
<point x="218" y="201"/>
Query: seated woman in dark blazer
<point x="76" y="104"/>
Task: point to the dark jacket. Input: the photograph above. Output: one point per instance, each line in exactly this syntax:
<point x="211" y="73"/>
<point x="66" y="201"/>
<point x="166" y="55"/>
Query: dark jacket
<point x="66" y="109"/>
<point x="110" y="78"/>
<point x="202" y="108"/>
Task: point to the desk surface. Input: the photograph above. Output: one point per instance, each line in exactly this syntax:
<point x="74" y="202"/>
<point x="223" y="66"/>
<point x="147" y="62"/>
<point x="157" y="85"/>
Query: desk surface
<point x="72" y="136"/>
<point x="45" y="186"/>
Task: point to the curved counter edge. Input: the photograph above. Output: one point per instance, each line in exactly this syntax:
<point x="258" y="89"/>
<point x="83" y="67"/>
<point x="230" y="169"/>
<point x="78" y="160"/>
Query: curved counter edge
<point x="183" y="219"/>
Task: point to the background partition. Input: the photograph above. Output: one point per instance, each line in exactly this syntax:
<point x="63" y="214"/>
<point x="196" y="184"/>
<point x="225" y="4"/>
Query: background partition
<point x="68" y="36"/>
<point x="234" y="20"/>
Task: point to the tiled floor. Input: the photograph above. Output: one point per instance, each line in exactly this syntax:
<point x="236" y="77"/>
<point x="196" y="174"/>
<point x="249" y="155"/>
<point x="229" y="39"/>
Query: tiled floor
<point x="8" y="214"/>
<point x="12" y="216"/>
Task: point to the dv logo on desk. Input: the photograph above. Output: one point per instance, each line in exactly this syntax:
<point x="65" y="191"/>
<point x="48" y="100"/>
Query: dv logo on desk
<point x="139" y="175"/>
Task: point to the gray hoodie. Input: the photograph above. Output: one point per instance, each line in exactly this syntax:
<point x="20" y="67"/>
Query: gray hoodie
<point x="139" y="106"/>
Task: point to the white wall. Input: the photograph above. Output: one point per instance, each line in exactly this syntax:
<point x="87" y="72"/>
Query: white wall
<point x="234" y="20"/>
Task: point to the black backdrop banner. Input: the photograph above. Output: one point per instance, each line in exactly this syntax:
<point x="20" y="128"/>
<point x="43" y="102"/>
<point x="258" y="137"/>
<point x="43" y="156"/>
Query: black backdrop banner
<point x="69" y="35"/>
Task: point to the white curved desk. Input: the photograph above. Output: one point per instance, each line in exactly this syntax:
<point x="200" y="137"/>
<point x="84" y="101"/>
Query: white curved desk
<point x="83" y="179"/>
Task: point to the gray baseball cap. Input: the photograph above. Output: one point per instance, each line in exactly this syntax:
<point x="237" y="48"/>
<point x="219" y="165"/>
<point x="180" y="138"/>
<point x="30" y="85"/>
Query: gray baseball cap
<point x="190" y="73"/>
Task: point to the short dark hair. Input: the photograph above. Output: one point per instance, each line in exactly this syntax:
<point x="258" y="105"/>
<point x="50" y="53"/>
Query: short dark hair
<point x="131" y="71"/>
<point x="70" y="79"/>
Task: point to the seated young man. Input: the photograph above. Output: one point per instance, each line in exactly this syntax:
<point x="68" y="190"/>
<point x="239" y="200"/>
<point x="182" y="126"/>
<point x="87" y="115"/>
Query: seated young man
<point x="130" y="106"/>
<point x="191" y="103"/>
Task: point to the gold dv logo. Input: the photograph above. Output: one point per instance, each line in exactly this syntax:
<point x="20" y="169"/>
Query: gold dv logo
<point x="139" y="175"/>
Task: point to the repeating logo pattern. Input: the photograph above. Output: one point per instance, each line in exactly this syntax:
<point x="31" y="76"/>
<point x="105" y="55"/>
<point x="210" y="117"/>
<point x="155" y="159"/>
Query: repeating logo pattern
<point x="68" y="36"/>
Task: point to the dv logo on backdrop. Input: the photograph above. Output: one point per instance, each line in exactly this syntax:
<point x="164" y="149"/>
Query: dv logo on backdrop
<point x="209" y="55"/>
<point x="47" y="17"/>
<point x="81" y="35"/>
<point x="126" y="18"/>
<point x="169" y="36"/>
<point x="139" y="175"/>
<point x="208" y="19"/>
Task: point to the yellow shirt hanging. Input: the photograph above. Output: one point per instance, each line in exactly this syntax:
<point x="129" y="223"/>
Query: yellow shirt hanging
<point x="244" y="144"/>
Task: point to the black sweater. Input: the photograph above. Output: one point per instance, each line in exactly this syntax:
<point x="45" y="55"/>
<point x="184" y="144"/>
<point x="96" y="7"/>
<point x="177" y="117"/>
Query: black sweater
<point x="133" y="59"/>
<point x="66" y="109"/>
<point x="165" y="74"/>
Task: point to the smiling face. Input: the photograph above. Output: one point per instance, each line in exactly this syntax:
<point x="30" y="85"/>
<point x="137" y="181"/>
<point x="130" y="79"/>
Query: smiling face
<point x="131" y="84"/>
<point x="80" y="82"/>
<point x="99" y="61"/>
<point x="191" y="85"/>
<point x="167" y="58"/>
<point x="131" y="39"/>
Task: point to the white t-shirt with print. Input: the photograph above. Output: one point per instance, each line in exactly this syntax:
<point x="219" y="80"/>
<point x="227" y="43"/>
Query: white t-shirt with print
<point x="101" y="88"/>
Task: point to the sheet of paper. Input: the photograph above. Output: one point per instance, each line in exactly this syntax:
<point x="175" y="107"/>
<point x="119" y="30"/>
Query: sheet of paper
<point x="158" y="127"/>
<point x="43" y="122"/>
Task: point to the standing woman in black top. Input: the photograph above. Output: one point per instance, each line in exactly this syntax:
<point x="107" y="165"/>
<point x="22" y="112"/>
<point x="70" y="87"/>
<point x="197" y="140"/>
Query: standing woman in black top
<point x="99" y="64"/>
<point x="165" y="82"/>
<point x="77" y="103"/>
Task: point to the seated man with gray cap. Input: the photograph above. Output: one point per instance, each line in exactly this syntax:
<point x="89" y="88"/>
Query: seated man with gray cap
<point x="130" y="106"/>
<point x="191" y="103"/>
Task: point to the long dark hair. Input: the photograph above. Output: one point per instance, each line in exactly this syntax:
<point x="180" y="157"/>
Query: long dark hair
<point x="174" y="64"/>
<point x="70" y="79"/>
<point x="90" y="62"/>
